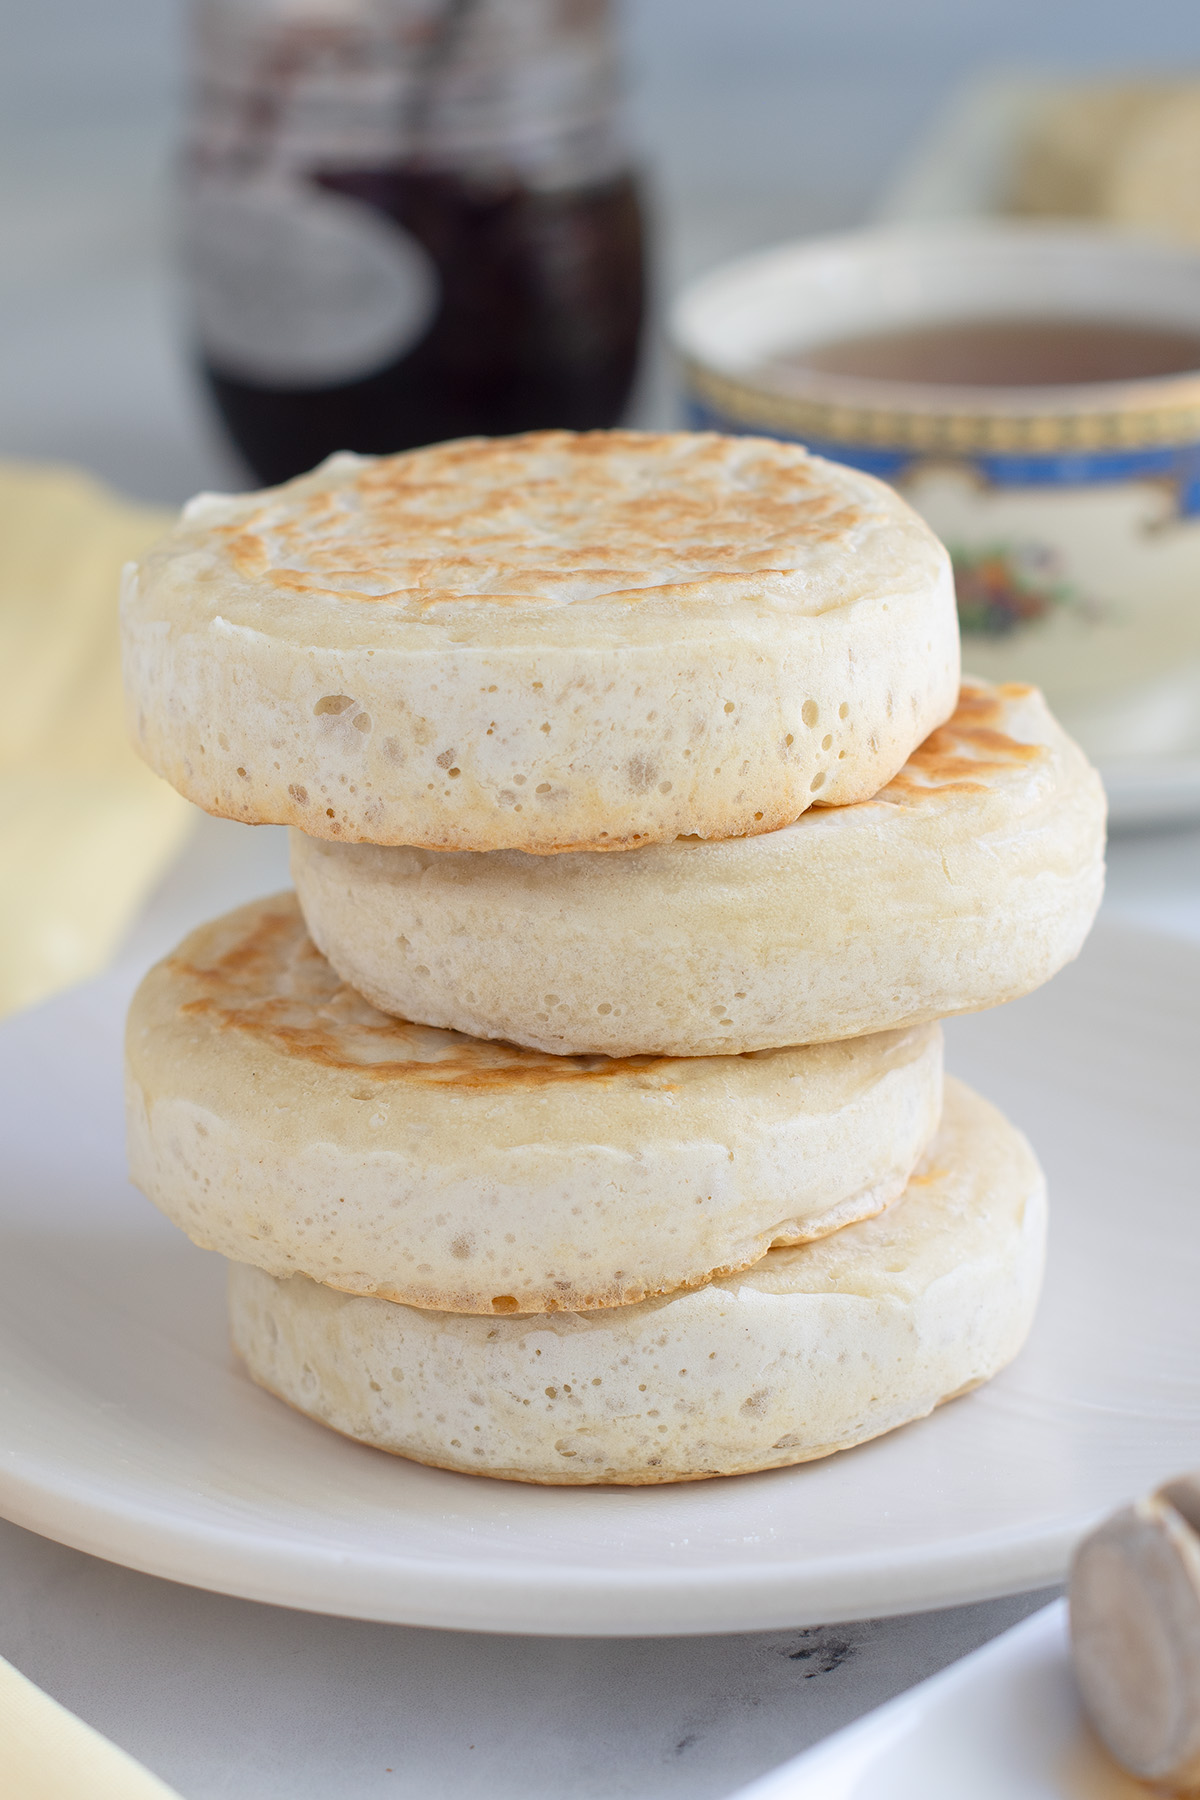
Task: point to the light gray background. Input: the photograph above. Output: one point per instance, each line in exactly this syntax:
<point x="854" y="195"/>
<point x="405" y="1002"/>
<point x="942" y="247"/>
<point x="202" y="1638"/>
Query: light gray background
<point x="757" y="119"/>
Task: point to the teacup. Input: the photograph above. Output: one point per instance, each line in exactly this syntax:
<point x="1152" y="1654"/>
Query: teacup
<point x="1072" y="512"/>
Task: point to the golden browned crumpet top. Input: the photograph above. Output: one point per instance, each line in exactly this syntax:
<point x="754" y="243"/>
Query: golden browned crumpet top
<point x="545" y="642"/>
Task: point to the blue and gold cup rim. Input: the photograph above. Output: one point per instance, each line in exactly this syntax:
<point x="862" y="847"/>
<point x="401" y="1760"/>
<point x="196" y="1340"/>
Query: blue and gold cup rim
<point x="732" y="321"/>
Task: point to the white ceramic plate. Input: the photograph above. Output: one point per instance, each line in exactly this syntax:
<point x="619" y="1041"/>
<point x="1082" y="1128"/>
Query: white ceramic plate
<point x="1003" y="1724"/>
<point x="127" y="1430"/>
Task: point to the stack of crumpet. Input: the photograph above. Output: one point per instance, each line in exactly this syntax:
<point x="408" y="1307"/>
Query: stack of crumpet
<point x="580" y="1118"/>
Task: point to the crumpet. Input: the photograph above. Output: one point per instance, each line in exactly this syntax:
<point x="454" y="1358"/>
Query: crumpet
<point x="279" y="1118"/>
<point x="544" y="642"/>
<point x="971" y="878"/>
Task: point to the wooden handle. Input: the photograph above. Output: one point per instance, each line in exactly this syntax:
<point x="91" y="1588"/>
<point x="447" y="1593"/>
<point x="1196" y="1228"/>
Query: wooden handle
<point x="1135" y="1631"/>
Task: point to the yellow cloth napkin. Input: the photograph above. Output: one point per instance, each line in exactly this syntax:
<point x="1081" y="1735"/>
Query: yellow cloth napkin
<point x="46" y="1753"/>
<point x="85" y="828"/>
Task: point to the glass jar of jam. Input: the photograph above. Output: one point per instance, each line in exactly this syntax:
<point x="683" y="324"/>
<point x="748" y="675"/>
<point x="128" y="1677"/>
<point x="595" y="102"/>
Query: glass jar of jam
<point x="406" y="220"/>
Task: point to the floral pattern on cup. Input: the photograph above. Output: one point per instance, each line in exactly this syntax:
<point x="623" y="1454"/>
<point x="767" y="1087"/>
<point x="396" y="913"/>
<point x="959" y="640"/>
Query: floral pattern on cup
<point x="1002" y="587"/>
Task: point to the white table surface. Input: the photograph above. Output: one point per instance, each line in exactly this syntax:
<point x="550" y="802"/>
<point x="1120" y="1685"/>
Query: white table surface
<point x="759" y="120"/>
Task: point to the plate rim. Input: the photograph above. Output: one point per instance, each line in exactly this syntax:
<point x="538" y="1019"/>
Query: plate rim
<point x="478" y="1594"/>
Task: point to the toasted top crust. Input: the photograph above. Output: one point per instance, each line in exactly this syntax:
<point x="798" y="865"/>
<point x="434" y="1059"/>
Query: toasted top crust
<point x="974" y="753"/>
<point x="553" y="519"/>
<point x="255" y="979"/>
<point x="257" y="973"/>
